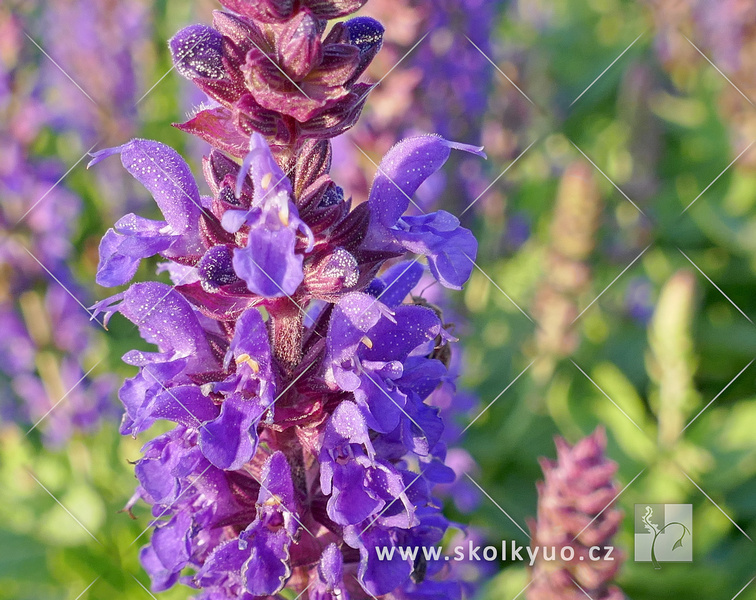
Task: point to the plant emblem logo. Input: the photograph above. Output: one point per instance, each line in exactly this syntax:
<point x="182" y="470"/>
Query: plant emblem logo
<point x="663" y="533"/>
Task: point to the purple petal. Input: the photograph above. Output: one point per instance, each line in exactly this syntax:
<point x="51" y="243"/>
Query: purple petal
<point x="268" y="264"/>
<point x="267" y="177"/>
<point x="161" y="578"/>
<point x="230" y="440"/>
<point x="381" y="406"/>
<point x="353" y="316"/>
<point x="407" y="165"/>
<point x="166" y="175"/>
<point x="376" y="576"/>
<point x="251" y="336"/>
<point x="399" y="280"/>
<point x="350" y="502"/>
<point x="227" y="557"/>
<point x="346" y="425"/>
<point x="450" y="249"/>
<point x="331" y="567"/>
<point x="171" y="542"/>
<point x="165" y="319"/>
<point x="393" y="341"/>
<point x="122" y="248"/>
<point x="268" y="567"/>
<point x="184" y="404"/>
<point x="276" y="478"/>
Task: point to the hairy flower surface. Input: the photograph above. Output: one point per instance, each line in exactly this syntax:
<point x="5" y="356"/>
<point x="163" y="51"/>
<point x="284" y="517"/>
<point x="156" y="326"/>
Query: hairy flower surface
<point x="298" y="372"/>
<point x="575" y="512"/>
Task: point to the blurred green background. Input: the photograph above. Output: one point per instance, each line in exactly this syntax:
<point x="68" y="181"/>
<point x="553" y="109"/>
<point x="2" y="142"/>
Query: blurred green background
<point x="641" y="349"/>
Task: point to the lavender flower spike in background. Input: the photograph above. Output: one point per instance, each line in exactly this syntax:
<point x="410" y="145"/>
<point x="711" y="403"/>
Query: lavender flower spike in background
<point x="574" y="511"/>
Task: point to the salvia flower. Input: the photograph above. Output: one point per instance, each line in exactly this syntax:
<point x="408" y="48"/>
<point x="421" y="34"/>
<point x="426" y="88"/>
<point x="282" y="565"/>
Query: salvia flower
<point x="302" y="439"/>
<point x="296" y="377"/>
<point x="575" y="513"/>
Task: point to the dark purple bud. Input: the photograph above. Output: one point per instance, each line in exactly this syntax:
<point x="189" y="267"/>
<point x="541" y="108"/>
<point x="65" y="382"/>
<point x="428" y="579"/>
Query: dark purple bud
<point x="228" y="196"/>
<point x="216" y="268"/>
<point x="367" y="34"/>
<point x="197" y="51"/>
<point x="332" y="196"/>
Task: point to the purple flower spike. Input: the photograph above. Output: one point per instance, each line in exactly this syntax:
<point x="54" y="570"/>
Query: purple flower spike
<point x="574" y="510"/>
<point x="299" y="376"/>
<point x="197" y="51"/>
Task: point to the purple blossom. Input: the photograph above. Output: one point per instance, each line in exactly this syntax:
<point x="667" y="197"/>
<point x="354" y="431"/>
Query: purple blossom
<point x="442" y="85"/>
<point x="297" y="379"/>
<point x="575" y="510"/>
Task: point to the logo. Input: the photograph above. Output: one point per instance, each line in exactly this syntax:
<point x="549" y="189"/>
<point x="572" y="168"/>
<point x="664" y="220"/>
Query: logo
<point x="663" y="533"/>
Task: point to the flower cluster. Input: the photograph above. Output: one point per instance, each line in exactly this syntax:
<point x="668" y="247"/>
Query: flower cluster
<point x="288" y="356"/>
<point x="574" y="510"/>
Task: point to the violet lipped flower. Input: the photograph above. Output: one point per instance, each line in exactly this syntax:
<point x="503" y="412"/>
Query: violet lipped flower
<point x="441" y="81"/>
<point x="291" y="435"/>
<point x="575" y="513"/>
<point x="295" y="369"/>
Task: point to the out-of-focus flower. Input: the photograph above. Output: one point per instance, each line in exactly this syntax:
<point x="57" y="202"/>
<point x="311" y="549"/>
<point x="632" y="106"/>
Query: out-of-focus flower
<point x="49" y="343"/>
<point x="102" y="60"/>
<point x="672" y="363"/>
<point x="576" y="216"/>
<point x="723" y="30"/>
<point x="441" y="85"/>
<point x="575" y="513"/>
